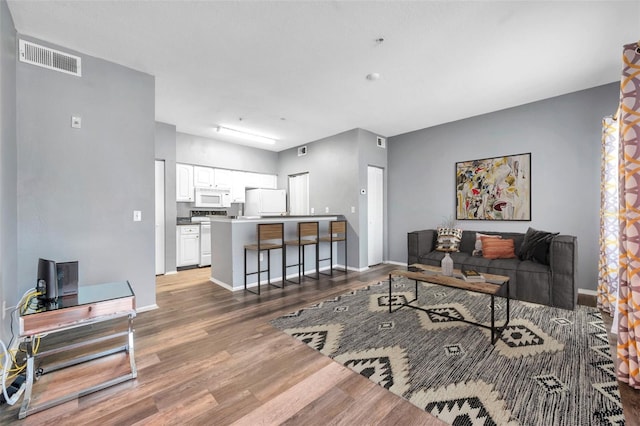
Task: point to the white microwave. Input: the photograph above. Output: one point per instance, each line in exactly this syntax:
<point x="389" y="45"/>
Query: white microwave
<point x="210" y="197"/>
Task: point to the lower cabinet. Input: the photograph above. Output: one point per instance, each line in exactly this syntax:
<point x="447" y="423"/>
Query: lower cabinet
<point x="188" y="250"/>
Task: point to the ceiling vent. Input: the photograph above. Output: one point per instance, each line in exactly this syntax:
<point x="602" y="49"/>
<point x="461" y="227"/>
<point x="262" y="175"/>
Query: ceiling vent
<point x="302" y="150"/>
<point x="52" y="59"/>
<point x="381" y="142"/>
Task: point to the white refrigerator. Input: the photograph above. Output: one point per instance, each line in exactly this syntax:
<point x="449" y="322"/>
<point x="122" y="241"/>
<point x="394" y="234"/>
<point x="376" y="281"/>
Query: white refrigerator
<point x="265" y="202"/>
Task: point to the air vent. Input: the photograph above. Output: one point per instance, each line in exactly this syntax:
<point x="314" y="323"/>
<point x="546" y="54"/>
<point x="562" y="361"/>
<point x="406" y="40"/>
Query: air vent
<point x="52" y="59"/>
<point x="302" y="150"/>
<point x="381" y="142"/>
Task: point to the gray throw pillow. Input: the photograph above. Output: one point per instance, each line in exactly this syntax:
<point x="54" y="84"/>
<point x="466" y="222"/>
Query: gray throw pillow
<point x="535" y="246"/>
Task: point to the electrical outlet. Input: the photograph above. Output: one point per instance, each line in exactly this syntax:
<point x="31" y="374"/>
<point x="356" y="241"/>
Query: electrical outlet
<point x="313" y="210"/>
<point x="326" y="209"/>
<point x="137" y="215"/>
<point x="353" y="209"/>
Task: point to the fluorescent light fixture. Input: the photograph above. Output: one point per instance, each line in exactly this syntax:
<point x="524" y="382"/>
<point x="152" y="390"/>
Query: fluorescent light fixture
<point x="244" y="135"/>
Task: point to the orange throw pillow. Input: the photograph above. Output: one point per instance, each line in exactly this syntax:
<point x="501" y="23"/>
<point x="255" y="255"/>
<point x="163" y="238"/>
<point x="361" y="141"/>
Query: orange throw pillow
<point x="495" y="248"/>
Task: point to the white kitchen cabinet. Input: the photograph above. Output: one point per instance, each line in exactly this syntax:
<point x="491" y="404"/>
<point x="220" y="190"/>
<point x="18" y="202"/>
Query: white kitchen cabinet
<point x="203" y="177"/>
<point x="184" y="183"/>
<point x="237" y="186"/>
<point x="261" y="180"/>
<point x="269" y="181"/>
<point x="222" y="178"/>
<point x="188" y="250"/>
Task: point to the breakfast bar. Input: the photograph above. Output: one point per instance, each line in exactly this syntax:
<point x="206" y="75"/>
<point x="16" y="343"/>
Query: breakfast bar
<point x="230" y="235"/>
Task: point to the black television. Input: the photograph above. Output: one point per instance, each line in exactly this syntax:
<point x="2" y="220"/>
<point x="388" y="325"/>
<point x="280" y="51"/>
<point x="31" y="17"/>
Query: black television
<point x="47" y="280"/>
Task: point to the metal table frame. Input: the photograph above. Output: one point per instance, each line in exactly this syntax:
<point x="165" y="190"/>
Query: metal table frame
<point x="490" y="290"/>
<point x="78" y="315"/>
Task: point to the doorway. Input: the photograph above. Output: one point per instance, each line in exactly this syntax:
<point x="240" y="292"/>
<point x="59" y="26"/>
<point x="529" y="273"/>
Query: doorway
<point x="160" y="218"/>
<point x="299" y="194"/>
<point x="375" y="214"/>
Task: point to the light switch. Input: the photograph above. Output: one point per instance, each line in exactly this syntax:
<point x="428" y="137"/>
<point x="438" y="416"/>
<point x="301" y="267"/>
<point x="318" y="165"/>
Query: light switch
<point x="137" y="215"/>
<point x="76" y="121"/>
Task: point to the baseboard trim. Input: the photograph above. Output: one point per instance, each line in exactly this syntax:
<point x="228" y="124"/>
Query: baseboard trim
<point x="221" y="284"/>
<point x="147" y="308"/>
<point x="393" y="262"/>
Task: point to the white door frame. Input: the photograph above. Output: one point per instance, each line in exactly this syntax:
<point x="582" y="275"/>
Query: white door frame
<point x="375" y="215"/>
<point x="160" y="217"/>
<point x="299" y="194"/>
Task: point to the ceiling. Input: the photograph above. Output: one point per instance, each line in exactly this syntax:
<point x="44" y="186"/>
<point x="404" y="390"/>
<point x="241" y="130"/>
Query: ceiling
<point x="296" y="71"/>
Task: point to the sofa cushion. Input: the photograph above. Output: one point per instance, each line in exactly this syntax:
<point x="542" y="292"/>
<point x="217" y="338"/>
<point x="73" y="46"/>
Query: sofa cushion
<point x="435" y="257"/>
<point x="497" y="248"/>
<point x="477" y="262"/>
<point x="535" y="246"/>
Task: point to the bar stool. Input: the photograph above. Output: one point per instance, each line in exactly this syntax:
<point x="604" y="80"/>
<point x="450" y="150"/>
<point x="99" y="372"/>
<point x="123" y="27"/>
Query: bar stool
<point x="337" y="233"/>
<point x="270" y="237"/>
<point x="307" y="235"/>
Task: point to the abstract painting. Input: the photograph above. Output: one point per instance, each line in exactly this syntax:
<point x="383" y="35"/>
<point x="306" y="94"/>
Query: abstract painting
<point x="496" y="188"/>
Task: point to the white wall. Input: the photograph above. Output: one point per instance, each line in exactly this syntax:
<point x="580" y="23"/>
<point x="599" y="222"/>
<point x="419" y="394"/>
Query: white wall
<point x="563" y="135"/>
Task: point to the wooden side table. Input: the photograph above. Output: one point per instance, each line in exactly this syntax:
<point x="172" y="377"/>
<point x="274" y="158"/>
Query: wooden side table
<point x="93" y="304"/>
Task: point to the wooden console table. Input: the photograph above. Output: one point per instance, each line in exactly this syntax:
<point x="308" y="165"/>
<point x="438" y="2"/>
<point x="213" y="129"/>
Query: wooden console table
<point x="93" y="304"/>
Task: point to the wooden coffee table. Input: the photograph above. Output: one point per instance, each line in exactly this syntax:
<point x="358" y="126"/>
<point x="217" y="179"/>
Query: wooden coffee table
<point x="432" y="275"/>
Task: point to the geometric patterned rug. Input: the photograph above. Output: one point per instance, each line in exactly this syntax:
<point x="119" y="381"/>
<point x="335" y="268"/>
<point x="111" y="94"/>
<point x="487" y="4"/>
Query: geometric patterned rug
<point x="550" y="366"/>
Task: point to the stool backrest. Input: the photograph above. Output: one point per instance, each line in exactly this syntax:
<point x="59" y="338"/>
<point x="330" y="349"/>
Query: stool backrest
<point x="270" y="231"/>
<point x="307" y="229"/>
<point x="338" y="227"/>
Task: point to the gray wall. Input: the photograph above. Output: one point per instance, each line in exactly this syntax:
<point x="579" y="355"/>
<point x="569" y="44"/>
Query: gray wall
<point x="201" y="151"/>
<point x="9" y="292"/>
<point x="166" y="151"/>
<point x="563" y="135"/>
<point x="337" y="168"/>
<point x="78" y="188"/>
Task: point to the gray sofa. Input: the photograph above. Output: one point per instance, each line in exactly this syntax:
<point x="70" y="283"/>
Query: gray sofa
<point x="552" y="285"/>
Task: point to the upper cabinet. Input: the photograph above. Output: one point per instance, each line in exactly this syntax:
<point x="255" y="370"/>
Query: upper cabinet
<point x="208" y="177"/>
<point x="237" y="186"/>
<point x="203" y="177"/>
<point x="222" y="178"/>
<point x="189" y="177"/>
<point x="260" y="180"/>
<point x="184" y="183"/>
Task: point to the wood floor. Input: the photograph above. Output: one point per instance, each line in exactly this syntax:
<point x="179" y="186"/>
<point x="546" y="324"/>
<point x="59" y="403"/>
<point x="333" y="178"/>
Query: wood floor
<point x="208" y="356"/>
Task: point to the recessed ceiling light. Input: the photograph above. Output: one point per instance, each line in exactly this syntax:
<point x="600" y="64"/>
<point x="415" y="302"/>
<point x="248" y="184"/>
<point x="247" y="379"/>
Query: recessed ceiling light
<point x="244" y="135"/>
<point x="373" y="76"/>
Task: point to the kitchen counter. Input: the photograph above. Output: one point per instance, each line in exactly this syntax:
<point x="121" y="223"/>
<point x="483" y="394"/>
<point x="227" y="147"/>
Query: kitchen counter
<point x="230" y="235"/>
<point x="270" y="219"/>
